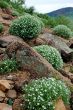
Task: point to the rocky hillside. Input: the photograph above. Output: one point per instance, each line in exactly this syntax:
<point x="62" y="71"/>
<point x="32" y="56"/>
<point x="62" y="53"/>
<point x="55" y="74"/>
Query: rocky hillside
<point x="32" y="65"/>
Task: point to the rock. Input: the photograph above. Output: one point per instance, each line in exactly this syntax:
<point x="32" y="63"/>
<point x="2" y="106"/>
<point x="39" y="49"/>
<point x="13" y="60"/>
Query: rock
<point x="7" y="11"/>
<point x="6" y="17"/>
<point x="57" y="42"/>
<point x="60" y="105"/>
<point x="1" y="99"/>
<point x="1" y="51"/>
<point x="4" y="106"/>
<point x="2" y="94"/>
<point x="70" y="43"/>
<point x="3" y="57"/>
<point x="67" y="74"/>
<point x="4" y="85"/>
<point x="11" y="94"/>
<point x="17" y="105"/>
<point x="5" y="40"/>
<point x="10" y="77"/>
<point x="39" y="41"/>
<point x="22" y="78"/>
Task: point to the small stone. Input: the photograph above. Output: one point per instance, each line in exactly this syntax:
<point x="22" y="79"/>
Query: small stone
<point x="5" y="100"/>
<point x="1" y="99"/>
<point x="17" y="104"/>
<point x="10" y="77"/>
<point x="11" y="94"/>
<point x="4" y="85"/>
<point x="4" y="106"/>
<point x="60" y="105"/>
<point x="2" y="94"/>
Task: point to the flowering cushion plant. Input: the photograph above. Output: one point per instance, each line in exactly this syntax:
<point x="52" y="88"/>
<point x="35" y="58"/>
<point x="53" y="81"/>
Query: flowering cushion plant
<point x="63" y="31"/>
<point x="42" y="94"/>
<point x="26" y="27"/>
<point x="51" y="55"/>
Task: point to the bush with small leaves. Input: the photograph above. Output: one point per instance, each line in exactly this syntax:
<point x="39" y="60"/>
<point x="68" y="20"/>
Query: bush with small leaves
<point x="41" y="94"/>
<point x="3" y="4"/>
<point x="26" y="27"/>
<point x="8" y="65"/>
<point x="15" y="13"/>
<point x="51" y="55"/>
<point x="1" y="27"/>
<point x="63" y="31"/>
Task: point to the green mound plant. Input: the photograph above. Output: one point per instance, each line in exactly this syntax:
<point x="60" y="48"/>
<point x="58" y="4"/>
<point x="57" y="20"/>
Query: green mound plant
<point x="41" y="94"/>
<point x="1" y="27"/>
<point x="63" y="31"/>
<point x="15" y="13"/>
<point x="51" y="55"/>
<point x="8" y="65"/>
<point x="3" y="4"/>
<point x="26" y="27"/>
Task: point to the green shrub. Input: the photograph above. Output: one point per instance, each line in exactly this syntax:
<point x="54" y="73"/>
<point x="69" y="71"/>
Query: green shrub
<point x="3" y="4"/>
<point x="26" y="26"/>
<point x="8" y="65"/>
<point x="62" y="31"/>
<point x="42" y="94"/>
<point x="51" y="55"/>
<point x="1" y="27"/>
<point x="63" y="20"/>
<point x="15" y="13"/>
<point x="47" y="20"/>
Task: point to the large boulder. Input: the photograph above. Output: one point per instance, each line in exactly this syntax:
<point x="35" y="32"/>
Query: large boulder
<point x="6" y="40"/>
<point x="58" y="43"/>
<point x="29" y="59"/>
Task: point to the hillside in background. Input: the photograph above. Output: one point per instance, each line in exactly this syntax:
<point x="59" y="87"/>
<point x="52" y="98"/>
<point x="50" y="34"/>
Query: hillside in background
<point x="63" y="11"/>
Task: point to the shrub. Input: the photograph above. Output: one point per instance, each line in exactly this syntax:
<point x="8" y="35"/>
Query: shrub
<point x="1" y="27"/>
<point x="63" y="20"/>
<point x="3" y="4"/>
<point x="8" y="65"/>
<point x="48" y="21"/>
<point x="62" y="31"/>
<point x="15" y="13"/>
<point x="26" y="26"/>
<point x="42" y="94"/>
<point x="51" y="55"/>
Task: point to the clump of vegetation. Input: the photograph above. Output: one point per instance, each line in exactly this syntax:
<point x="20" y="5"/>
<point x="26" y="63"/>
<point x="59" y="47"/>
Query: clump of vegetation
<point x="63" y="31"/>
<point x="26" y="26"/>
<point x="63" y="20"/>
<point x="8" y="65"/>
<point x="71" y="69"/>
<point x="3" y="4"/>
<point x="1" y="27"/>
<point x="15" y="13"/>
<point x="51" y="55"/>
<point x="48" y="21"/>
<point x="42" y="94"/>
